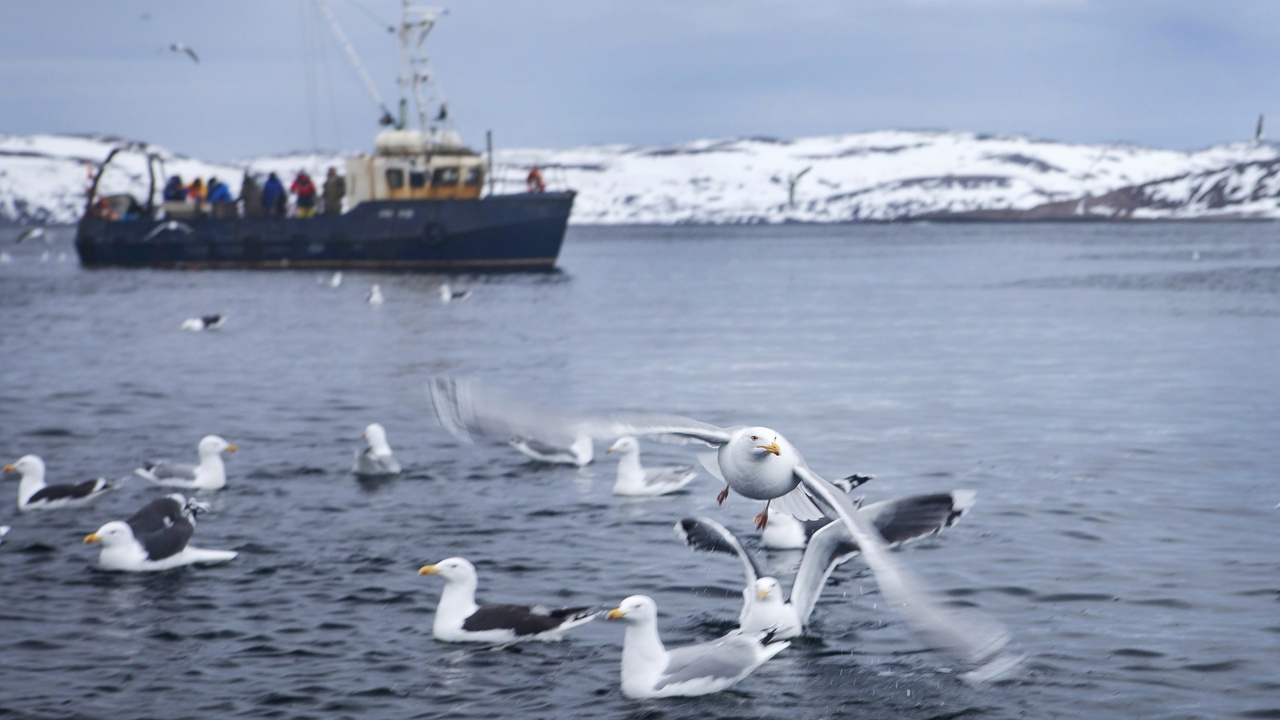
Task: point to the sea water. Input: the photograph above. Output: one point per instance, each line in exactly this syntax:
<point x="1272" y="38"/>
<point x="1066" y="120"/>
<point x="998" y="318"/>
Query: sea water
<point x="1110" y="391"/>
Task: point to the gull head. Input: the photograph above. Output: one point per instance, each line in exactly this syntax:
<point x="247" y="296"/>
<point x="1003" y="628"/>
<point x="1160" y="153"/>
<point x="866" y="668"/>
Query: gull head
<point x="27" y="465"/>
<point x="116" y="532"/>
<point x="768" y="589"/>
<point x="635" y="608"/>
<point x="624" y="445"/>
<point x="212" y="445"/>
<point x="454" y="568"/>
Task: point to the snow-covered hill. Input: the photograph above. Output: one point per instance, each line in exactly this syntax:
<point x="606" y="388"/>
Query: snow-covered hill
<point x="875" y="176"/>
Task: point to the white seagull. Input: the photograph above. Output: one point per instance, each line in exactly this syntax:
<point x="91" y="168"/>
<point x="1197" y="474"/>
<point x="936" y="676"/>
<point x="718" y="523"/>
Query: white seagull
<point x="35" y="233"/>
<point x="210" y="474"/>
<point x="154" y="538"/>
<point x="336" y="280"/>
<point x="202" y="323"/>
<point x="764" y="606"/>
<point x="635" y="480"/>
<point x="182" y="48"/>
<point x="374" y="296"/>
<point x="376" y="459"/>
<point x="759" y="463"/>
<point x="650" y="670"/>
<point x="448" y="294"/>
<point x="34" y="494"/>
<point x="460" y="619"/>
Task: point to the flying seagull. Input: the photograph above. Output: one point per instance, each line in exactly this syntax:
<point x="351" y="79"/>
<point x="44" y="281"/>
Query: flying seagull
<point x="181" y="48"/>
<point x="759" y="463"/>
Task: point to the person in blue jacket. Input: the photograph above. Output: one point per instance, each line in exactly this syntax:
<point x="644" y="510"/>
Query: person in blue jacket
<point x="174" y="190"/>
<point x="273" y="196"/>
<point x="219" y="192"/>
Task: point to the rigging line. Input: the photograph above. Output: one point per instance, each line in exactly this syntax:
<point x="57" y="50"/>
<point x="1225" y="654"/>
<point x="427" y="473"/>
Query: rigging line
<point x="324" y="50"/>
<point x="389" y="27"/>
<point x="308" y="70"/>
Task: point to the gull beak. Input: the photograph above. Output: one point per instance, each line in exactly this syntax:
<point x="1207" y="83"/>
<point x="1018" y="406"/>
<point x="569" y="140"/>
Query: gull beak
<point x="10" y="468"/>
<point x="428" y="570"/>
<point x="611" y="448"/>
<point x="772" y="447"/>
<point x="616" y="613"/>
<point x="92" y="538"/>
<point x="762" y="593"/>
<point x="364" y="434"/>
<point x="232" y="448"/>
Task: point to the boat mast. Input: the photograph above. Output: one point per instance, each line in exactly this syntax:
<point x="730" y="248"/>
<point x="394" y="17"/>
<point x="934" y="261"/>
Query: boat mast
<point x="416" y="78"/>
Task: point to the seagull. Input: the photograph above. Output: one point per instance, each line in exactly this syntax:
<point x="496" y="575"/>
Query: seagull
<point x="764" y="606"/>
<point x="210" y="474"/>
<point x="374" y="296"/>
<point x="460" y="619"/>
<point x="376" y="459"/>
<point x="759" y="463"/>
<point x="155" y="538"/>
<point x="635" y="480"/>
<point x="4" y="530"/>
<point x="336" y="280"/>
<point x="206" y="322"/>
<point x="35" y="233"/>
<point x="181" y="48"/>
<point x="34" y="494"/>
<point x="784" y="532"/>
<point x="448" y="295"/>
<point x="650" y="670"/>
<point x="169" y="226"/>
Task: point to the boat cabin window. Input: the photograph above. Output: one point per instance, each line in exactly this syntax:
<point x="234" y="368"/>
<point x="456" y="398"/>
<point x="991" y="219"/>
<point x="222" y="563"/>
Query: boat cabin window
<point x="395" y="178"/>
<point x="417" y="179"/>
<point x="475" y="176"/>
<point x="445" y="176"/>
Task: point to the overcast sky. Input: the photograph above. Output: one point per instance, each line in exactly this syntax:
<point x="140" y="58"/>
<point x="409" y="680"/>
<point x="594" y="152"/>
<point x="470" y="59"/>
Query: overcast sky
<point x="1179" y="74"/>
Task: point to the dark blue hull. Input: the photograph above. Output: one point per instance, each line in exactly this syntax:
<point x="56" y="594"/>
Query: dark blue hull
<point x="506" y="232"/>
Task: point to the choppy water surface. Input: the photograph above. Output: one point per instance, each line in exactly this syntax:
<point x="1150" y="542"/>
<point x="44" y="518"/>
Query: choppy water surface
<point x="1110" y="392"/>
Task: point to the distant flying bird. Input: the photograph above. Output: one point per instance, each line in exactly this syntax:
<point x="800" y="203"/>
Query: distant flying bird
<point x="181" y="48"/>
<point x="171" y="226"/>
<point x="35" y="233"/>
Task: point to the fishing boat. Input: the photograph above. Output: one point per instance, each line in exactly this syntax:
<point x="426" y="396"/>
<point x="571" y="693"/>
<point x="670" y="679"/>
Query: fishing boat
<point x="418" y="203"/>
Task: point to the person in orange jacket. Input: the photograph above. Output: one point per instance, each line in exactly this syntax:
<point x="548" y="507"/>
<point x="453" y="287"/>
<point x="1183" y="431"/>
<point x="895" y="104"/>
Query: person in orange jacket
<point x="306" y="192"/>
<point x="196" y="192"/>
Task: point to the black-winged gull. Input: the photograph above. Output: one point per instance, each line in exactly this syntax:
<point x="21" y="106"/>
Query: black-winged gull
<point x="759" y="463"/>
<point x="154" y="538"/>
<point x="34" y="494"/>
<point x="210" y="474"/>
<point x="204" y="322"/>
<point x="460" y="619"/>
<point x="650" y="670"/>
<point x="765" y="608"/>
<point x="636" y="480"/>
<point x="448" y="294"/>
<point x="376" y="459"/>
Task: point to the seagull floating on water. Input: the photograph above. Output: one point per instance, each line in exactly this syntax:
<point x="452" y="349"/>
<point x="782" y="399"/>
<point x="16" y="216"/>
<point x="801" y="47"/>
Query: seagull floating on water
<point x="635" y="480"/>
<point x="336" y="280"/>
<point x="206" y="322"/>
<point x="376" y="459"/>
<point x="448" y="294"/>
<point x="34" y="494"/>
<point x="155" y="538"/>
<point x="765" y="608"/>
<point x="460" y="619"/>
<point x="650" y="670"/>
<point x="759" y="463"/>
<point x="374" y="296"/>
<point x="210" y="474"/>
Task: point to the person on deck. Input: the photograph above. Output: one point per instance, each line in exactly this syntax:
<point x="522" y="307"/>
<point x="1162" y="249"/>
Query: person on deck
<point x="306" y="192"/>
<point x="335" y="188"/>
<point x="251" y="197"/>
<point x="220" y="200"/>
<point x="174" y="191"/>
<point x="534" y="181"/>
<point x="196" y="192"/>
<point x="273" y="196"/>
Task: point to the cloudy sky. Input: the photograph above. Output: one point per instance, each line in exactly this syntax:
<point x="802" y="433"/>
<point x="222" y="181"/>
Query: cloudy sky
<point x="1177" y="74"/>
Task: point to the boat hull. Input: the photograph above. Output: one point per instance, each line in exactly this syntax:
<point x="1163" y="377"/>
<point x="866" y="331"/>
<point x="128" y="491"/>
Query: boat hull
<point x="497" y="233"/>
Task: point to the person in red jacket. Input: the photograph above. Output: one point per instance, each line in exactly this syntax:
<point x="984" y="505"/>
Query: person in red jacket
<point x="306" y="192"/>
